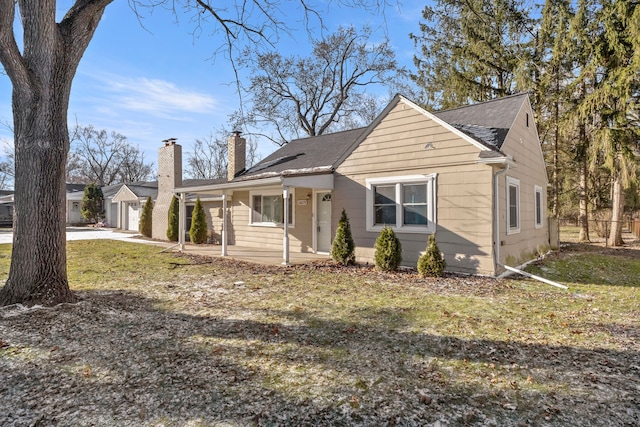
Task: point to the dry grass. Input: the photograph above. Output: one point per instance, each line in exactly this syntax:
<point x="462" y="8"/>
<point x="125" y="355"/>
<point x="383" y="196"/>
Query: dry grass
<point x="164" y="339"/>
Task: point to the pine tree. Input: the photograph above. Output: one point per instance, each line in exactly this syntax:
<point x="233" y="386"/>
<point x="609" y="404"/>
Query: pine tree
<point x="471" y="50"/>
<point x="431" y="263"/>
<point x="343" y="247"/>
<point x="174" y="220"/>
<point x="388" y="255"/>
<point x="92" y="202"/>
<point x="614" y="101"/>
<point x="146" y="218"/>
<point x="198" y="230"/>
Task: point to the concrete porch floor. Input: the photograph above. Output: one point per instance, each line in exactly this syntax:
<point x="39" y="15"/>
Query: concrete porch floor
<point x="255" y="255"/>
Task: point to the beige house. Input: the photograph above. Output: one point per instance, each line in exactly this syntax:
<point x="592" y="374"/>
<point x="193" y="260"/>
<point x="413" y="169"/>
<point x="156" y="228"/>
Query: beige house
<point x="474" y="175"/>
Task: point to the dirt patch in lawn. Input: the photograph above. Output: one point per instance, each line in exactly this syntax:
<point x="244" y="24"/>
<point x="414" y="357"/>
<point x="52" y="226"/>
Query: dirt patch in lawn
<point x="219" y="342"/>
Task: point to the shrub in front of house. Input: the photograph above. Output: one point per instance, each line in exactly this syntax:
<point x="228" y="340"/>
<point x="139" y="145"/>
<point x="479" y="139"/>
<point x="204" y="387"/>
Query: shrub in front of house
<point x="146" y="223"/>
<point x="431" y="263"/>
<point x="343" y="247"/>
<point x="174" y="220"/>
<point x="388" y="254"/>
<point x="198" y="231"/>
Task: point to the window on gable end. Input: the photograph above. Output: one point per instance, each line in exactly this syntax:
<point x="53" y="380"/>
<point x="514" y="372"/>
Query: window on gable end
<point x="513" y="205"/>
<point x="538" y="206"/>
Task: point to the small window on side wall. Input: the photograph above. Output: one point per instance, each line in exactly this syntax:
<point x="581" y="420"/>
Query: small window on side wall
<point x="513" y="205"/>
<point x="538" y="206"/>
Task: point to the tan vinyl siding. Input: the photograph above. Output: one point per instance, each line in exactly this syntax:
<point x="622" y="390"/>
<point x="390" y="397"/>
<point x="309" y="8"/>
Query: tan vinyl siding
<point x="522" y="144"/>
<point x="271" y="237"/>
<point x="396" y="147"/>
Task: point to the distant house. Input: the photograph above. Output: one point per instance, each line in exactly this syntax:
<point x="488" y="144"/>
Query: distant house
<point x="474" y="175"/>
<point x="123" y="203"/>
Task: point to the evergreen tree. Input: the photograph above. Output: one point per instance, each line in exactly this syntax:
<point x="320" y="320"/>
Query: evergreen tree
<point x="343" y="247"/>
<point x="556" y="69"/>
<point x="174" y="221"/>
<point x="198" y="230"/>
<point x="92" y="202"/>
<point x="431" y="263"/>
<point x="388" y="255"/>
<point x="146" y="218"/>
<point x="582" y="30"/>
<point x="470" y="50"/>
<point x="613" y="102"/>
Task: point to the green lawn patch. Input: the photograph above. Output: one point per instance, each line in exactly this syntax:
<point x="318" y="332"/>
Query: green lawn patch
<point x="170" y="339"/>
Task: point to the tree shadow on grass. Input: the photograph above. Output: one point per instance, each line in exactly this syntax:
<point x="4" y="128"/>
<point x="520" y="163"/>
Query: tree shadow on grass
<point x="116" y="359"/>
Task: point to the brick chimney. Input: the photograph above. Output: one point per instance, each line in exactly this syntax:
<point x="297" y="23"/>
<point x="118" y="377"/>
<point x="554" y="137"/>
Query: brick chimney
<point x="169" y="177"/>
<point x="237" y="152"/>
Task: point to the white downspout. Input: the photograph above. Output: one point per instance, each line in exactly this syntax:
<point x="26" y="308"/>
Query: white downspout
<point x="496" y="245"/>
<point x="496" y="195"/>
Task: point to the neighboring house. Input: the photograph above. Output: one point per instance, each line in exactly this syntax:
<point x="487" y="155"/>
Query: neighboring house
<point x="75" y="194"/>
<point x="6" y="208"/>
<point x="474" y="175"/>
<point x="124" y="203"/>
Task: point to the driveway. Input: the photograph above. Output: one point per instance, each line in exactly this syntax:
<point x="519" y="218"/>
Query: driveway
<point x="85" y="233"/>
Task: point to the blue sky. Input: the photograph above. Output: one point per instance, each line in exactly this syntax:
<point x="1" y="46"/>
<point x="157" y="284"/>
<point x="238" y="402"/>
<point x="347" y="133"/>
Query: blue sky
<point x="159" y="81"/>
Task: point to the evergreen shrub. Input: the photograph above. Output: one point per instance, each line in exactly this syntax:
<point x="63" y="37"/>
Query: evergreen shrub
<point x="431" y="263"/>
<point x="388" y="255"/>
<point x="343" y="247"/>
<point x="198" y="230"/>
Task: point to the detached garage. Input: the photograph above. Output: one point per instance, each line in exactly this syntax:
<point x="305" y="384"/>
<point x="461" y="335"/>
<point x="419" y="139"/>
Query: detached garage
<point x="130" y="199"/>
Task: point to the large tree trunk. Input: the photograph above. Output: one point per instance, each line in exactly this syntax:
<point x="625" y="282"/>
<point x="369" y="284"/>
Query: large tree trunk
<point x="41" y="77"/>
<point x="615" y="234"/>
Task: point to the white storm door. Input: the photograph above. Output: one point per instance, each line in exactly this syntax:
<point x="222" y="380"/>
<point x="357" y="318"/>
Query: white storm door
<point x="323" y="222"/>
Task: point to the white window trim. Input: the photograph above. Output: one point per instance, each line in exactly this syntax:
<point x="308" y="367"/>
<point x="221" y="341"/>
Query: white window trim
<point x="273" y="192"/>
<point x="538" y="190"/>
<point x="513" y="182"/>
<point x="429" y="180"/>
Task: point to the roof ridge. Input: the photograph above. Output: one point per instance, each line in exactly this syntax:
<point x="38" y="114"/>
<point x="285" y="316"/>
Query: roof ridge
<point x="502" y="98"/>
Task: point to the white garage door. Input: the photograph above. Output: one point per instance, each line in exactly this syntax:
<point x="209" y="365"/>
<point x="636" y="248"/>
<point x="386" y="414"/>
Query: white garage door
<point x="133" y="213"/>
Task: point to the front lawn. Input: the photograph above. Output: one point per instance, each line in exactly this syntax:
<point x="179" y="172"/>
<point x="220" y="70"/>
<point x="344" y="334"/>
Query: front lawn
<point x="167" y="339"/>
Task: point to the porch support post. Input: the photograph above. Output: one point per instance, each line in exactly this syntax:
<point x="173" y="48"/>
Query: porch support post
<point x="285" y="239"/>
<point x="182" y="211"/>
<point x="224" y="223"/>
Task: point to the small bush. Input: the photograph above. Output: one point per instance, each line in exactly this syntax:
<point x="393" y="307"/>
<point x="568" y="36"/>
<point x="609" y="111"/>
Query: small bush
<point x="198" y="231"/>
<point x="174" y="221"/>
<point x="145" y="226"/>
<point x="431" y="263"/>
<point x="388" y="250"/>
<point x="343" y="247"/>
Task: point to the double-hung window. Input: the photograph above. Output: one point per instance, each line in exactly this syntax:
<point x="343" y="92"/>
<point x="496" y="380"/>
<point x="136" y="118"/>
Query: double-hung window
<point x="405" y="203"/>
<point x="513" y="205"/>
<point x="267" y="208"/>
<point x="538" y="206"/>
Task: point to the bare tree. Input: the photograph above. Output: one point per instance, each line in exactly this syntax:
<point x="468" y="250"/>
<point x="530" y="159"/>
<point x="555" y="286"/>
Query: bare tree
<point x="41" y="64"/>
<point x="309" y="95"/>
<point x="104" y="158"/>
<point x="208" y="158"/>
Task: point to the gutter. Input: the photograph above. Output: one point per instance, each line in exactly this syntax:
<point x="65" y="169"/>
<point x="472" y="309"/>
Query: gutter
<point x="496" y="243"/>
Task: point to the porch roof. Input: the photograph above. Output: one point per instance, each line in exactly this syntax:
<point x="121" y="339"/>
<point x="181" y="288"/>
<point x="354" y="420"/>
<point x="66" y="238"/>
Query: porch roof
<point x="321" y="181"/>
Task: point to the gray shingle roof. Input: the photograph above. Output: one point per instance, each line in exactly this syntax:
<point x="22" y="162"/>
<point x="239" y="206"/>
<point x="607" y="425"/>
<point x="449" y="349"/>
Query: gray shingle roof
<point x="320" y="153"/>
<point x="487" y="122"/>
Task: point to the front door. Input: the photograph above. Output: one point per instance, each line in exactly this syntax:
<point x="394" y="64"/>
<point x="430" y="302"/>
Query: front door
<point x="323" y="222"/>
